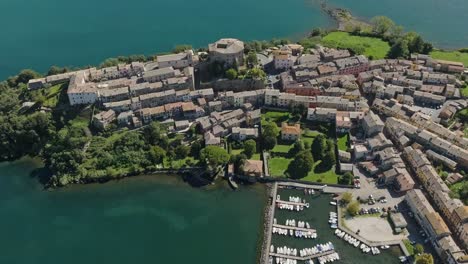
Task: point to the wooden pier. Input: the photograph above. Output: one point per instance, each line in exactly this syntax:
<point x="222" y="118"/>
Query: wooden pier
<point x="321" y="254"/>
<point x="290" y="203"/>
<point x="295" y="228"/>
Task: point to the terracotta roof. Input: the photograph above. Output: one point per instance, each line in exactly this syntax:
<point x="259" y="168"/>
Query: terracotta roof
<point x="253" y="167"/>
<point x="287" y="129"/>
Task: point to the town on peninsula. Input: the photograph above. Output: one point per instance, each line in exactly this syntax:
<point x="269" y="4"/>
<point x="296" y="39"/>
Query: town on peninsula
<point x="366" y="127"/>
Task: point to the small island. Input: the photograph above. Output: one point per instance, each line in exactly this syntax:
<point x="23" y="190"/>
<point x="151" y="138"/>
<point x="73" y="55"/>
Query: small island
<point x="368" y="115"/>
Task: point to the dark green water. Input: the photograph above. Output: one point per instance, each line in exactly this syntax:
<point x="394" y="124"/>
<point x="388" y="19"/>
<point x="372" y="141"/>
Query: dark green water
<point x="317" y="216"/>
<point x="137" y="220"/>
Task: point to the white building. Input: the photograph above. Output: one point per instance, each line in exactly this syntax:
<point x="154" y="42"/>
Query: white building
<point x="283" y="59"/>
<point x="80" y="92"/>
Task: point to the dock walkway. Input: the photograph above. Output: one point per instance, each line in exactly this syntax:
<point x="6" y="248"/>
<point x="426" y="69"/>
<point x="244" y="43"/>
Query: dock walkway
<point x="295" y="228"/>
<point x="290" y="203"/>
<point x="321" y="254"/>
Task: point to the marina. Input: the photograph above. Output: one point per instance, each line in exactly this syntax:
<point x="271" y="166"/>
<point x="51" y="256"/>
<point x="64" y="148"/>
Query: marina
<point x="321" y="218"/>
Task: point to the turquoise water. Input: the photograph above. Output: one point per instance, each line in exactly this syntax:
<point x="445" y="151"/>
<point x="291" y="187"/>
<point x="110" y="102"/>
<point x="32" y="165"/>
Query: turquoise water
<point x="317" y="216"/>
<point x="40" y="33"/>
<point x="443" y="22"/>
<point x="137" y="220"/>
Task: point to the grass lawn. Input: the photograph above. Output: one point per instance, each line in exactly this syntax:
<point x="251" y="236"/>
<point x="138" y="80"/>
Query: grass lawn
<point x="256" y="156"/>
<point x="276" y="116"/>
<point x="236" y="151"/>
<point x="278" y="166"/>
<point x="374" y="47"/>
<point x="343" y="142"/>
<point x="450" y="56"/>
<point x="282" y="148"/>
<point x="315" y="175"/>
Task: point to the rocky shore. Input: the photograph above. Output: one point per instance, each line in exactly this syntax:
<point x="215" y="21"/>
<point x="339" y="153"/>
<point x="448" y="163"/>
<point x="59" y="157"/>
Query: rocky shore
<point x="343" y="17"/>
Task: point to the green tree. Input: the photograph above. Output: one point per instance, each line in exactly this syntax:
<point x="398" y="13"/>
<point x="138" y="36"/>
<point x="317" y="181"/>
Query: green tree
<point x="347" y="197"/>
<point x="238" y="161"/>
<point x="250" y="147"/>
<point x="319" y="147"/>
<point x="110" y="62"/>
<point x="415" y="42"/>
<point x="353" y="208"/>
<point x="252" y="59"/>
<point x="424" y="259"/>
<point x="182" y="151"/>
<point x="307" y="145"/>
<point x="53" y="70"/>
<point x="399" y="50"/>
<point x="297" y="147"/>
<point x="214" y="156"/>
<point x="346" y="179"/>
<point x="269" y="142"/>
<point x="181" y="48"/>
<point x="329" y="158"/>
<point x="25" y="75"/>
<point x="418" y="249"/>
<point x="231" y="74"/>
<point x="157" y="154"/>
<point x="301" y="165"/>
<point x="195" y="149"/>
<point x="256" y="74"/>
<point x="270" y="129"/>
<point x="381" y="25"/>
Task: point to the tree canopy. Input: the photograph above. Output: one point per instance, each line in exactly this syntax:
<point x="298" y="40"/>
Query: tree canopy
<point x="214" y="156"/>
<point x="231" y="74"/>
<point x="301" y="165"/>
<point x="250" y="147"/>
<point x="319" y="147"/>
<point x="353" y="208"/>
<point x="347" y="197"/>
<point x="424" y="259"/>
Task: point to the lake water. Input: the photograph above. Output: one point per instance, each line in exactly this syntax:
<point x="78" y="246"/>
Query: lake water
<point x="39" y="33"/>
<point x="443" y="22"/>
<point x="137" y="220"/>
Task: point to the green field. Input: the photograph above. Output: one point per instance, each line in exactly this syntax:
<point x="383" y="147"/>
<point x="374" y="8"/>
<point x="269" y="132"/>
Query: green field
<point x="255" y="156"/>
<point x="451" y="56"/>
<point x="278" y="166"/>
<point x="342" y="142"/>
<point x="280" y="148"/>
<point x="328" y="176"/>
<point x="276" y="116"/>
<point x="371" y="47"/>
